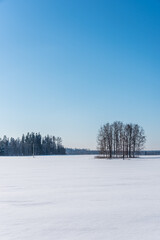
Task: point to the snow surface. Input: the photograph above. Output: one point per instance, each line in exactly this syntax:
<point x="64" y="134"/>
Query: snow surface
<point x="79" y="198"/>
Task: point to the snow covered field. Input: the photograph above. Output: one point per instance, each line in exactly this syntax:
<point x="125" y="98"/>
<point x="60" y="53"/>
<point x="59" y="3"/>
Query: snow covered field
<point x="79" y="198"/>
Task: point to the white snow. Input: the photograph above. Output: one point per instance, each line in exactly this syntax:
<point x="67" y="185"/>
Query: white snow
<point x="79" y="198"/>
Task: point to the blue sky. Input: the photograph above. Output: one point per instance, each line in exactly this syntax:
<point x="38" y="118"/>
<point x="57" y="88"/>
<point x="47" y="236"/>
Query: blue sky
<point x="69" y="66"/>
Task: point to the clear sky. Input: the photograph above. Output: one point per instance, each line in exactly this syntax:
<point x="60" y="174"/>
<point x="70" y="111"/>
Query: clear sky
<point x="69" y="66"/>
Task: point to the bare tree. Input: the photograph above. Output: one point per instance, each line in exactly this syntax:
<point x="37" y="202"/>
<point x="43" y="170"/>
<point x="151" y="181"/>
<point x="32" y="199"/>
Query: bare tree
<point x="101" y="141"/>
<point x="120" y="140"/>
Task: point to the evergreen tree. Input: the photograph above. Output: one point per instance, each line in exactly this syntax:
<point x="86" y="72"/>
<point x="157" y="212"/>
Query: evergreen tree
<point x="47" y="145"/>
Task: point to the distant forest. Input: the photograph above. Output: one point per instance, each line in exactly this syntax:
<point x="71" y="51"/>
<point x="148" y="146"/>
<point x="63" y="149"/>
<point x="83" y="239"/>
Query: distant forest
<point x="31" y="144"/>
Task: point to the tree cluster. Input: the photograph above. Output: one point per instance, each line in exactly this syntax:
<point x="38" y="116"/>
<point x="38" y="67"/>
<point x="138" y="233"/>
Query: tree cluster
<point x="32" y="143"/>
<point x="120" y="140"/>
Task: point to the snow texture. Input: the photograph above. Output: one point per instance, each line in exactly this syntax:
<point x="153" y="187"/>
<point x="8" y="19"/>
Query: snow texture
<point x="79" y="198"/>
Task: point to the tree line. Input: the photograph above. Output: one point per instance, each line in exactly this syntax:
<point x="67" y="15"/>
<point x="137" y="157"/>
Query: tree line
<point x="120" y="140"/>
<point x="31" y="144"/>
